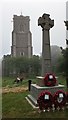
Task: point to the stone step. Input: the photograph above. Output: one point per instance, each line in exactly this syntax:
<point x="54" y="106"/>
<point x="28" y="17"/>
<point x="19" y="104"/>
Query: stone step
<point x="32" y="100"/>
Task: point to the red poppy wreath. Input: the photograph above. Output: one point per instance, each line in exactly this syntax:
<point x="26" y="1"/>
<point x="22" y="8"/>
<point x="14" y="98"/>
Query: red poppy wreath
<point x="59" y="98"/>
<point x="45" y="100"/>
<point x="49" y="80"/>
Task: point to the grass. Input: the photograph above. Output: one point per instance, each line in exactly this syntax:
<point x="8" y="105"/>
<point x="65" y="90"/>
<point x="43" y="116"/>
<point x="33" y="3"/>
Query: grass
<point x="61" y="80"/>
<point x="0" y="82"/>
<point x="0" y="105"/>
<point x="14" y="105"/>
<point x="9" y="82"/>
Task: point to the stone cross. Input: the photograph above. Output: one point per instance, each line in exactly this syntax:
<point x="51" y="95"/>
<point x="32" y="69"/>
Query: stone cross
<point x="46" y="23"/>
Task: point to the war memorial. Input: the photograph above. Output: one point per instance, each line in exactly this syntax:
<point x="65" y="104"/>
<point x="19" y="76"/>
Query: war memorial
<point x="48" y="93"/>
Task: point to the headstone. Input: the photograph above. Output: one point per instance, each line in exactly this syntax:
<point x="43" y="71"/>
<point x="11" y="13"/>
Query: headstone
<point x="46" y="23"/>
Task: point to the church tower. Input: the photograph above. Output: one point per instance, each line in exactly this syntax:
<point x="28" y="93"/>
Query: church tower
<point x="21" y="37"/>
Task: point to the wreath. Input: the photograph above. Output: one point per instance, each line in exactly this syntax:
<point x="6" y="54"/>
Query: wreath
<point x="45" y="100"/>
<point x="49" y="80"/>
<point x="59" y="99"/>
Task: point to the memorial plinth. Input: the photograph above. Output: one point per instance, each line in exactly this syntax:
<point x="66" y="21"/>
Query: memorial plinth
<point x="36" y="90"/>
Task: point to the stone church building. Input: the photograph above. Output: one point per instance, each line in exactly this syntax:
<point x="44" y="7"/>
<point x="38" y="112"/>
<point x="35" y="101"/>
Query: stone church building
<point x="21" y="37"/>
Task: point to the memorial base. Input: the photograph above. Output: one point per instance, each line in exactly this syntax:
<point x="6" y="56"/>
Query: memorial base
<point x="36" y="90"/>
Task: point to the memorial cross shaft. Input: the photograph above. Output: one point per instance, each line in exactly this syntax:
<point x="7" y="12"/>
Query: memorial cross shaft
<point x="46" y="23"/>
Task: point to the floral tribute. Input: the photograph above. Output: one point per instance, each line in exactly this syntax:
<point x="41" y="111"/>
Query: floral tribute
<point x="49" y="80"/>
<point x="59" y="99"/>
<point x="45" y="100"/>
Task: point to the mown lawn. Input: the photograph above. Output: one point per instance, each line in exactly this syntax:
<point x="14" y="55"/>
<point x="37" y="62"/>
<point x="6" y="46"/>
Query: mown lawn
<point x="14" y="105"/>
<point x="61" y="80"/>
<point x="9" y="82"/>
<point x="0" y="82"/>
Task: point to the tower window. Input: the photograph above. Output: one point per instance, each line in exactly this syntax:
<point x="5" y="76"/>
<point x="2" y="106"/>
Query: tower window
<point x="21" y="53"/>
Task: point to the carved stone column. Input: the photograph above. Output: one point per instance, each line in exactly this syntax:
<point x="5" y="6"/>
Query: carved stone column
<point x="46" y="23"/>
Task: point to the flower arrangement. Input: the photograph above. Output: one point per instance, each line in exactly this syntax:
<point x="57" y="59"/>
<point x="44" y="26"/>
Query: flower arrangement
<point x="45" y="100"/>
<point x="49" y="80"/>
<point x="59" y="99"/>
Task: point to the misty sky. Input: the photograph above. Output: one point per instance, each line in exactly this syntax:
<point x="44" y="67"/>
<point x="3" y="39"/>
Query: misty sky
<point x="34" y="9"/>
